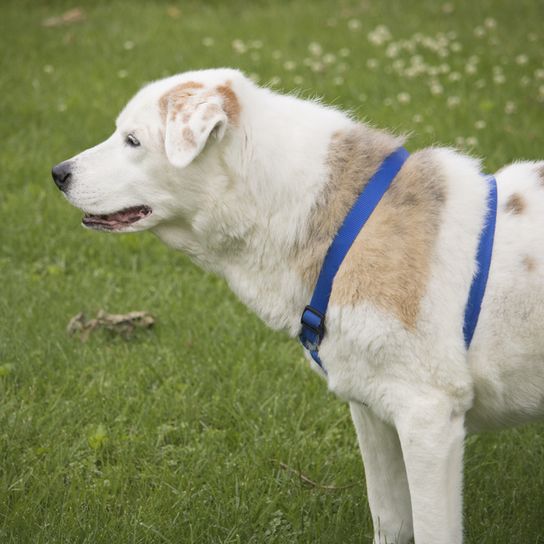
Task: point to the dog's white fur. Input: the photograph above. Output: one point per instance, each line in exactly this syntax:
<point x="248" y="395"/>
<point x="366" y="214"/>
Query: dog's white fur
<point x="239" y="198"/>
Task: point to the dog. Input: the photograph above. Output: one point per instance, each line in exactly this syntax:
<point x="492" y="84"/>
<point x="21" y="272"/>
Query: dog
<point x="253" y="185"/>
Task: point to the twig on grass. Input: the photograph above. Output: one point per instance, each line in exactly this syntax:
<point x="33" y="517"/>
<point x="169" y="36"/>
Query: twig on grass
<point x="309" y="481"/>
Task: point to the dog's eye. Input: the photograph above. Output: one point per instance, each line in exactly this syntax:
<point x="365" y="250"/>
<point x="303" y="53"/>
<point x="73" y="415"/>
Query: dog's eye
<point x="132" y="140"/>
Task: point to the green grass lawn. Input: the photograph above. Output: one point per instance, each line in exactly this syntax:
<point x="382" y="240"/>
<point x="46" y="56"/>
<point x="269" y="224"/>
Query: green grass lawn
<point x="182" y="433"/>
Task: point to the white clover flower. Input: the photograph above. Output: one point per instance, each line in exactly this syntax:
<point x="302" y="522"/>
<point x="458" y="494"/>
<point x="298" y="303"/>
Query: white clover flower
<point x="454" y="76"/>
<point x="338" y="80"/>
<point x="453" y="101"/>
<point x="541" y="90"/>
<point x="388" y="102"/>
<point x="479" y="32"/>
<point x="539" y="73"/>
<point x="392" y="50"/>
<point x="208" y="41"/>
<point x="522" y="59"/>
<point x="122" y="74"/>
<point x="403" y="98"/>
<point x="329" y="58"/>
<point x="317" y="66"/>
<point x="128" y="45"/>
<point x="499" y="78"/>
<point x="256" y="44"/>
<point x="525" y="81"/>
<point x="379" y="35"/>
<point x="344" y="52"/>
<point x="460" y="141"/>
<point x="456" y="47"/>
<point x="436" y="87"/>
<point x="239" y="46"/>
<point x="480" y="124"/>
<point x="480" y="84"/>
<point x="363" y="97"/>
<point x="471" y="69"/>
<point x="289" y="65"/>
<point x="315" y="49"/>
<point x="61" y="107"/>
<point x="372" y="64"/>
<point x="48" y="69"/>
<point x="472" y="141"/>
<point x="354" y="24"/>
<point x="489" y="22"/>
<point x="447" y="8"/>
<point x="510" y="107"/>
<point x="417" y="118"/>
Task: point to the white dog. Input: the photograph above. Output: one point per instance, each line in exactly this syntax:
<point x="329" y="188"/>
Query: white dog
<point x="253" y="185"/>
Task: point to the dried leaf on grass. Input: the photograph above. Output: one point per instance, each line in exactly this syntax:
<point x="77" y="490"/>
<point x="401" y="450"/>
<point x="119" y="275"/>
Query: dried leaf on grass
<point x="74" y="15"/>
<point x="122" y="324"/>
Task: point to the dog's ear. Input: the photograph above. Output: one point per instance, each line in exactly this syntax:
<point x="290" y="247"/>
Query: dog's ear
<point x="192" y="114"/>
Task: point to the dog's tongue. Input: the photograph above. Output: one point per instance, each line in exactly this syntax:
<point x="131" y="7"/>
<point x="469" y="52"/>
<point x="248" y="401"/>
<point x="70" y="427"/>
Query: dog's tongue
<point x="118" y="219"/>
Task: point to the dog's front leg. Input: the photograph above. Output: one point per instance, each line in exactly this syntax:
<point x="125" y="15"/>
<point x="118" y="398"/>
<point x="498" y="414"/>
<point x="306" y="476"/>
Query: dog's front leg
<point x="431" y="434"/>
<point x="387" y="486"/>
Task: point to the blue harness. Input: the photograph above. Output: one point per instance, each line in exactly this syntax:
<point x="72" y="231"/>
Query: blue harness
<point x="313" y="317"/>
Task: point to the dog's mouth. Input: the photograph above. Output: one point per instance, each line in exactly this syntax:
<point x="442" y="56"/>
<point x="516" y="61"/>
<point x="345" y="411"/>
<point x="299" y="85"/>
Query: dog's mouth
<point x="118" y="220"/>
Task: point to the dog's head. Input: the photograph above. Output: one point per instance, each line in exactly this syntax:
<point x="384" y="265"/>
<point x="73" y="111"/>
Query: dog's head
<point x="149" y="171"/>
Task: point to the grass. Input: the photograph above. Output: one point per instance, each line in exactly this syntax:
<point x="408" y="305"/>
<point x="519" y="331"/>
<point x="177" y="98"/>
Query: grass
<point x="177" y="434"/>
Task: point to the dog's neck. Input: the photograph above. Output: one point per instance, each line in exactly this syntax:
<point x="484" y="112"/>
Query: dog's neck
<point x="289" y="175"/>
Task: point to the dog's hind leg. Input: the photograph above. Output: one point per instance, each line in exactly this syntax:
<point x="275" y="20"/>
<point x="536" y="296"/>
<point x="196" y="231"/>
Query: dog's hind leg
<point x="431" y="434"/>
<point x="387" y="486"/>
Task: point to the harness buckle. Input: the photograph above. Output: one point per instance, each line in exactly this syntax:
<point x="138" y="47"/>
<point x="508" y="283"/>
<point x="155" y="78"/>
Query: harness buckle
<point x="313" y="328"/>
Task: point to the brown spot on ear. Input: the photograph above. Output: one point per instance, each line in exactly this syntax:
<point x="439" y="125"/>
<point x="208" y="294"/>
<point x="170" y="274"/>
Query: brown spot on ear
<point x="177" y="96"/>
<point x="515" y="204"/>
<point x="210" y="111"/>
<point x="529" y="263"/>
<point x="231" y="105"/>
<point x="189" y="137"/>
<point x="389" y="262"/>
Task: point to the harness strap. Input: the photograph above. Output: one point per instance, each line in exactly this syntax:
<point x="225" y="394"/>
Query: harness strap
<point x="483" y="261"/>
<point x="313" y="317"/>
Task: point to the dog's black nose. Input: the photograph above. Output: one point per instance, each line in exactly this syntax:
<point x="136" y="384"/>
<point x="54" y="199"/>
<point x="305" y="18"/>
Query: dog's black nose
<point x="61" y="174"/>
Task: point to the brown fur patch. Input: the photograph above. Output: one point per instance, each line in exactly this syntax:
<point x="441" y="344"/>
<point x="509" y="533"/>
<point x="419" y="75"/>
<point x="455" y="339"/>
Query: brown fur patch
<point x="177" y="96"/>
<point x="529" y="263"/>
<point x="515" y="204"/>
<point x="231" y="105"/>
<point x="189" y="137"/>
<point x="389" y="262"/>
<point x="211" y="110"/>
